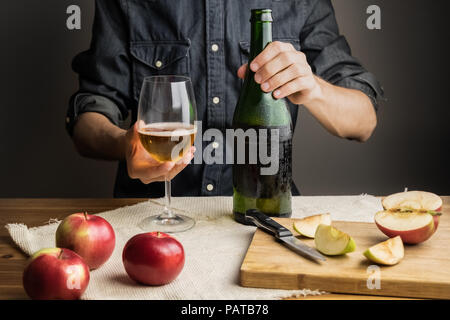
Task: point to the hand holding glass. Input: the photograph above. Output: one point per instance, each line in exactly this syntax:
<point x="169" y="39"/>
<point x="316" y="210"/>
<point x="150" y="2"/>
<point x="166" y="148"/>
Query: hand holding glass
<point x="166" y="126"/>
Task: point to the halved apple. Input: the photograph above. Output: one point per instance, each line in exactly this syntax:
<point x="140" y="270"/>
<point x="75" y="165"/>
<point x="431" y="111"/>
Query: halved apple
<point x="389" y="252"/>
<point x="332" y="242"/>
<point x="412" y="226"/>
<point x="307" y="226"/>
<point x="415" y="200"/>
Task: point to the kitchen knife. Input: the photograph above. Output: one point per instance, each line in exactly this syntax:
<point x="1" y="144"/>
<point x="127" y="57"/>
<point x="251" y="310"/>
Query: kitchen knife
<point x="282" y="234"/>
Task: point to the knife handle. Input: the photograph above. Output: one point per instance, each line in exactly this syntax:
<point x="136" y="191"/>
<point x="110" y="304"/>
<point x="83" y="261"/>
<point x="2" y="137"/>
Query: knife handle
<point x="267" y="224"/>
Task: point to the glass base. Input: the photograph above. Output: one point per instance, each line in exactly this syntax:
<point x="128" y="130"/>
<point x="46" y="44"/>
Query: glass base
<point x="167" y="224"/>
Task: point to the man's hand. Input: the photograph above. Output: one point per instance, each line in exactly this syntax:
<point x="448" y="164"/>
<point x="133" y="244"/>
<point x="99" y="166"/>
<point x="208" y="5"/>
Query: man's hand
<point x="282" y="69"/>
<point x="96" y="137"/>
<point x="346" y="113"/>
<point x="142" y="166"/>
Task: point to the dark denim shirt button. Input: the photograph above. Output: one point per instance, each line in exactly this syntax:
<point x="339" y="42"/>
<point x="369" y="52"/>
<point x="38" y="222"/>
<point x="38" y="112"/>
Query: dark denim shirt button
<point x="215" y="47"/>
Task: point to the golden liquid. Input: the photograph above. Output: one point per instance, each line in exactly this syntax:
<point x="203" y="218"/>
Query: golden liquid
<point x="167" y="141"/>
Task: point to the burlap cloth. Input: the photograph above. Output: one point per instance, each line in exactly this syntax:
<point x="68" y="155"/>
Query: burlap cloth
<point x="214" y="248"/>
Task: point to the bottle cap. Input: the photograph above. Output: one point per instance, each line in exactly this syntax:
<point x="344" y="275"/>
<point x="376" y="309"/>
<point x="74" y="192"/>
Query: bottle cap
<point x="262" y="15"/>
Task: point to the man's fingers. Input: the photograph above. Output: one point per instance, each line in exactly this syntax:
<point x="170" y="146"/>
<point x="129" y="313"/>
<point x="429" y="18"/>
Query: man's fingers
<point x="142" y="170"/>
<point x="176" y="169"/>
<point x="148" y="173"/>
<point x="278" y="64"/>
<point x="182" y="163"/>
<point x="188" y="156"/>
<point x="241" y="71"/>
<point x="162" y="169"/>
<point x="283" y="77"/>
<point x="291" y="87"/>
<point x="157" y="179"/>
<point x="270" y="52"/>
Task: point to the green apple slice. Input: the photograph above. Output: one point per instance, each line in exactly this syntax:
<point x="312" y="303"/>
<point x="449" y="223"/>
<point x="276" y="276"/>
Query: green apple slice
<point x="389" y="252"/>
<point x="332" y="242"/>
<point x="307" y="226"/>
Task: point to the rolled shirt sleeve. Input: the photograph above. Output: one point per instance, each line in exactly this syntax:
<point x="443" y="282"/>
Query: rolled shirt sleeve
<point x="330" y="56"/>
<point x="104" y="69"/>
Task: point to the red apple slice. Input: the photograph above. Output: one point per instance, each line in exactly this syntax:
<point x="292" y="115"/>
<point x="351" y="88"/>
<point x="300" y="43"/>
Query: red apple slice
<point x="389" y="252"/>
<point x="415" y="200"/>
<point x="412" y="226"/>
<point x="307" y="226"/>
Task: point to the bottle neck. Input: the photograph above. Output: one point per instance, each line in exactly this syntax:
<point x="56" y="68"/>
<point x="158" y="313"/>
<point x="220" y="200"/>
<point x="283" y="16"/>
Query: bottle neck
<point x="261" y="36"/>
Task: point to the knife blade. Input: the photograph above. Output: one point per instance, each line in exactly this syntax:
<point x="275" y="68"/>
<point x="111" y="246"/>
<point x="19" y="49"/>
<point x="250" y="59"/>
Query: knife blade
<point x="282" y="234"/>
<point x="296" y="245"/>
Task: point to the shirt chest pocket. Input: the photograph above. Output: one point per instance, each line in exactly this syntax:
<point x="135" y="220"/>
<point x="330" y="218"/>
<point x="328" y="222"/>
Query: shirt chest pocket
<point x="152" y="58"/>
<point x="245" y="47"/>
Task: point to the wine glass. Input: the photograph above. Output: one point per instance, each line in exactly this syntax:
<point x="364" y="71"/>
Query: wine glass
<point x="166" y="126"/>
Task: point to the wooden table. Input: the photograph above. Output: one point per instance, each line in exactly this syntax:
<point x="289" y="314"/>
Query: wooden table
<point x="35" y="212"/>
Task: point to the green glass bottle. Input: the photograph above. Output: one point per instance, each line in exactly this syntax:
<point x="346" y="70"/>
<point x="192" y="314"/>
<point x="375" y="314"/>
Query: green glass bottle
<point x="260" y="112"/>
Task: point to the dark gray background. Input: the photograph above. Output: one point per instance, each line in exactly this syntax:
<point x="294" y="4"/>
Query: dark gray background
<point x="408" y="148"/>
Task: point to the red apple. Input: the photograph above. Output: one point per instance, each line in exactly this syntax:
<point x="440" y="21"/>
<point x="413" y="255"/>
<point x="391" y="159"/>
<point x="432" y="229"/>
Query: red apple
<point x="91" y="236"/>
<point x="412" y="226"/>
<point x="415" y="200"/>
<point x="153" y="258"/>
<point x="55" y="273"/>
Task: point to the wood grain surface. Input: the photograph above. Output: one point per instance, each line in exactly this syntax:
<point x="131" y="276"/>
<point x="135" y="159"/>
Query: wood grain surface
<point x="423" y="273"/>
<point x="35" y="212"/>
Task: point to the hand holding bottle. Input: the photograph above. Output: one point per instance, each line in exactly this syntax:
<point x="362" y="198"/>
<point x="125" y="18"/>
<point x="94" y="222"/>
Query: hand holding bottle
<point x="285" y="71"/>
<point x="255" y="187"/>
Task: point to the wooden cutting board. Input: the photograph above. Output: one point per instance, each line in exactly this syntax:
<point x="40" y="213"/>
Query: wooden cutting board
<point x="424" y="272"/>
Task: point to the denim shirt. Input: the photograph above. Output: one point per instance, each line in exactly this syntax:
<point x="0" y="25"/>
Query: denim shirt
<point x="208" y="41"/>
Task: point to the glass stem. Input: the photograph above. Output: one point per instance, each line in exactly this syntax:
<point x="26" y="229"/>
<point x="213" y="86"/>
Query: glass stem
<point x="168" y="212"/>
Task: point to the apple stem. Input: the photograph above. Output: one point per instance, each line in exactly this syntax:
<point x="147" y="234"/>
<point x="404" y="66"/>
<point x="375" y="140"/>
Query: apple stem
<point x="86" y="215"/>
<point x="60" y="253"/>
<point x="159" y="234"/>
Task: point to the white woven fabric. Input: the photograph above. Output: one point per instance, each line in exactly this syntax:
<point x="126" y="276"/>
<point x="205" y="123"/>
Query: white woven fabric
<point x="214" y="248"/>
